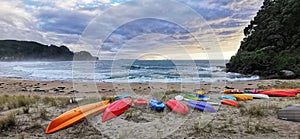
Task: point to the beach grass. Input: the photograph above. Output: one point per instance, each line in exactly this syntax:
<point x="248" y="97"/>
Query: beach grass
<point x="12" y="102"/>
<point x="8" y="121"/>
<point x="258" y="110"/>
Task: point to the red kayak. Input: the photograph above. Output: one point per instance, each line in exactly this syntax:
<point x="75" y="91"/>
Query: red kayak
<point x="140" y="102"/>
<point x="116" y="108"/>
<point x="229" y="102"/>
<point x="280" y="93"/>
<point x="177" y="107"/>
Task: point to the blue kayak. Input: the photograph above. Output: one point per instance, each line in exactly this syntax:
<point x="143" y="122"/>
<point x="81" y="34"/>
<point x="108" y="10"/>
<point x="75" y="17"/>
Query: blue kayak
<point x="122" y="96"/>
<point x="227" y="97"/>
<point x="202" y="106"/>
<point x="202" y="97"/>
<point x="156" y="105"/>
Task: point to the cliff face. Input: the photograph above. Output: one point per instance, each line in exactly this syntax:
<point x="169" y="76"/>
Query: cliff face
<point x="271" y="46"/>
<point x="11" y="50"/>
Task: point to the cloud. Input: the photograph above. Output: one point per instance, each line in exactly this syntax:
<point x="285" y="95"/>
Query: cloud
<point x="61" y="22"/>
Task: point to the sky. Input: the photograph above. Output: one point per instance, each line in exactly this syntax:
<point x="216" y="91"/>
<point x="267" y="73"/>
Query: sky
<point x="216" y="33"/>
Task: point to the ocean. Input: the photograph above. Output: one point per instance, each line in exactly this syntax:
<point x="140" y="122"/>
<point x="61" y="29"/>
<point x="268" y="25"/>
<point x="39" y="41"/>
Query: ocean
<point x="123" y="71"/>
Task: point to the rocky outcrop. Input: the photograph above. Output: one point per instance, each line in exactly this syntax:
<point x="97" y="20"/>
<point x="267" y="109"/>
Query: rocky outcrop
<point x="271" y="46"/>
<point x="12" y="50"/>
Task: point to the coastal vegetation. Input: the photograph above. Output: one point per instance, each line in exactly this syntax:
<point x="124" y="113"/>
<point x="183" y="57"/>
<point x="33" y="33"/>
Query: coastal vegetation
<point x="271" y="44"/>
<point x="12" y="50"/>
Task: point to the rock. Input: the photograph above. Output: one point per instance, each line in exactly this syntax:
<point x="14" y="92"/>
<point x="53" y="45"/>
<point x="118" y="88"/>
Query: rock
<point x="61" y="87"/>
<point x="287" y="74"/>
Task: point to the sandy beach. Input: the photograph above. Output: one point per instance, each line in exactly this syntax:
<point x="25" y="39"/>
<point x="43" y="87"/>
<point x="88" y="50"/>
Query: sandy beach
<point x="252" y="119"/>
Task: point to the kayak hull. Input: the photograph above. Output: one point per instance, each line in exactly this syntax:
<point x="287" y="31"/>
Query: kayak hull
<point x="229" y="102"/>
<point x="156" y="105"/>
<point x="259" y="96"/>
<point x="116" y="108"/>
<point x="140" y="102"/>
<point x="245" y="95"/>
<point x="202" y="106"/>
<point x="228" y="97"/>
<point x="177" y="107"/>
<point x="290" y="113"/>
<point x="76" y="115"/>
<point x="191" y="97"/>
<point x="241" y="97"/>
<point x="122" y="96"/>
<point x="278" y="93"/>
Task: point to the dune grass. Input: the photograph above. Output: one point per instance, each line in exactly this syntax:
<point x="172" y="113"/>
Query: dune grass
<point x="8" y="122"/>
<point x="12" y="102"/>
<point x="258" y="110"/>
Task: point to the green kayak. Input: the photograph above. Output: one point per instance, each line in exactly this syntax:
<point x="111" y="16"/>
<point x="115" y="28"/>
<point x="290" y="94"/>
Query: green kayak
<point x="191" y="97"/>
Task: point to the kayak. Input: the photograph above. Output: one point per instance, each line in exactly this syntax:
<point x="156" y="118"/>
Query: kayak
<point x="290" y="113"/>
<point x="229" y="102"/>
<point x="260" y="96"/>
<point x="202" y="97"/>
<point x="202" y="106"/>
<point x="122" y="96"/>
<point x="156" y="105"/>
<point x="228" y="97"/>
<point x="233" y="91"/>
<point x="200" y="93"/>
<point x="140" y="102"/>
<point x="241" y="98"/>
<point x="116" y="108"/>
<point x="245" y="95"/>
<point x="278" y="93"/>
<point x="177" y="107"/>
<point x="191" y="97"/>
<point x="76" y="115"/>
<point x="179" y="97"/>
<point x="293" y="91"/>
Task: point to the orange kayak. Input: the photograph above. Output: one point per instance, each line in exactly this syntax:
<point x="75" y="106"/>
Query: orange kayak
<point x="240" y="98"/>
<point x="245" y="95"/>
<point x="76" y="115"/>
<point x="229" y="102"/>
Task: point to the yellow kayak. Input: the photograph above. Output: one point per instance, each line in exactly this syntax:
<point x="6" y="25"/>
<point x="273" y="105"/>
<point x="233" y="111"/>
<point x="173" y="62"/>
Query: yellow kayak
<point x="76" y="115"/>
<point x="245" y="95"/>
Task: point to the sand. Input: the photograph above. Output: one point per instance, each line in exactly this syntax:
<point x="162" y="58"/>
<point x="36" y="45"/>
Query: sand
<point x="142" y="122"/>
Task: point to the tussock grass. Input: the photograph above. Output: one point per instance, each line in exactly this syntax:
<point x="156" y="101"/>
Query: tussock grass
<point x="43" y="113"/>
<point x="163" y="96"/>
<point x="8" y="122"/>
<point x="259" y="110"/>
<point x="36" y="125"/>
<point x="55" y="101"/>
<point x="132" y="113"/>
<point x="111" y="99"/>
<point x="12" y="102"/>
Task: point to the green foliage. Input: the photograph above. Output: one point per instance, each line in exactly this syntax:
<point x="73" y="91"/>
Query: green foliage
<point x="11" y="50"/>
<point x="271" y="40"/>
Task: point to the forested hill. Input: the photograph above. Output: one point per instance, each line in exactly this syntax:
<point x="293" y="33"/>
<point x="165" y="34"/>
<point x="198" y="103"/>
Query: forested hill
<point x="271" y="47"/>
<point x="12" y="50"/>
